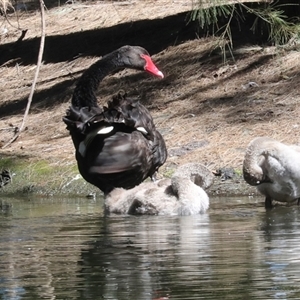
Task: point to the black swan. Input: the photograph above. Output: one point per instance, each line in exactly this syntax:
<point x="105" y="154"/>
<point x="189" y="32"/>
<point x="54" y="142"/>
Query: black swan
<point x="5" y="178"/>
<point x="183" y="194"/>
<point x="117" y="145"/>
<point x="274" y="168"/>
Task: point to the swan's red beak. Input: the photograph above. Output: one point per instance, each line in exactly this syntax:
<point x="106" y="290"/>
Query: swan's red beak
<point x="150" y="67"/>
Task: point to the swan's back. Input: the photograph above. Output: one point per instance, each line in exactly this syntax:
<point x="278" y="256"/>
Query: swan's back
<point x="178" y="196"/>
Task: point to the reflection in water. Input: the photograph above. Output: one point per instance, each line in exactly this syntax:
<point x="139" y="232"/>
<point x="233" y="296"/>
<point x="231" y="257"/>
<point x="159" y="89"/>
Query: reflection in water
<point x="40" y="243"/>
<point x="141" y="255"/>
<point x="281" y="251"/>
<point x="67" y="249"/>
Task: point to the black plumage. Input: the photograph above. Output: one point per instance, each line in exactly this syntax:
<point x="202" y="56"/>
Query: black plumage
<point x="116" y="145"/>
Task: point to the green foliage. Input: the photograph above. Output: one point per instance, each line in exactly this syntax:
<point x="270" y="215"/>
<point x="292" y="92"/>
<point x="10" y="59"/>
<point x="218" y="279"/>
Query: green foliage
<point x="210" y="15"/>
<point x="279" y="28"/>
<point x="209" y="18"/>
<point x="269" y="17"/>
<point x="238" y="172"/>
<point x="42" y="177"/>
<point x="169" y="173"/>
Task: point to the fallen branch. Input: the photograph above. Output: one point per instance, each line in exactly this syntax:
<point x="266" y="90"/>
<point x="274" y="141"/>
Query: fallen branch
<point x="39" y="62"/>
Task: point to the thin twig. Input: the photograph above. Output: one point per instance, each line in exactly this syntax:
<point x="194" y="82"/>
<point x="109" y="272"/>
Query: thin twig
<point x="9" y="128"/>
<point x="39" y="62"/>
<point x="6" y="18"/>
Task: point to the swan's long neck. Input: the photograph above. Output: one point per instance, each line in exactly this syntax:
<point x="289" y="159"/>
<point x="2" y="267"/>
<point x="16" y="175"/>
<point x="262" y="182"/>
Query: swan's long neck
<point x="252" y="169"/>
<point x="87" y="86"/>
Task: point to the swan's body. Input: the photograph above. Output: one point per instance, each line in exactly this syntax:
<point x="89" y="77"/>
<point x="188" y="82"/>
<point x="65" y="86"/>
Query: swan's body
<point x="183" y="194"/>
<point x="274" y="168"/>
<point x="117" y="145"/>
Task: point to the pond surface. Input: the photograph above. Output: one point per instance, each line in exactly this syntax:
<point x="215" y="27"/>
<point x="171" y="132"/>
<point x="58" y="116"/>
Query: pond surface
<point x="67" y="249"/>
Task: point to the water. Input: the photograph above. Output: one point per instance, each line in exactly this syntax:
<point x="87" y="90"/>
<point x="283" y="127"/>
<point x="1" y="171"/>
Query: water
<point x="67" y="249"/>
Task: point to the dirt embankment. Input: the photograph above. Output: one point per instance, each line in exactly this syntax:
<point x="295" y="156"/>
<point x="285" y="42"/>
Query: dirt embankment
<point x="207" y="110"/>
